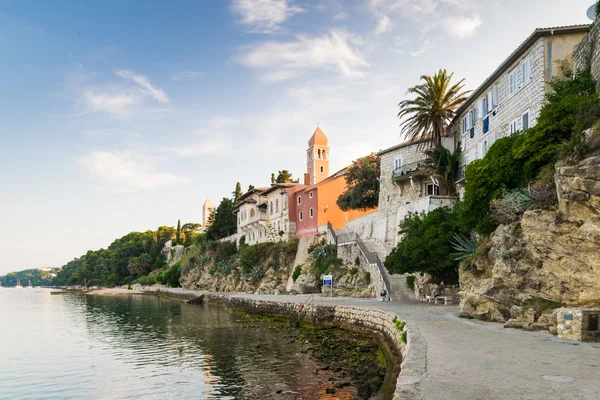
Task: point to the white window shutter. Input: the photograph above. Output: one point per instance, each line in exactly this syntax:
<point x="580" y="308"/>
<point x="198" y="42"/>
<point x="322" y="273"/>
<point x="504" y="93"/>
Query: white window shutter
<point x="489" y="101"/>
<point x="495" y="95"/>
<point x="480" y="150"/>
<point x="480" y="108"/>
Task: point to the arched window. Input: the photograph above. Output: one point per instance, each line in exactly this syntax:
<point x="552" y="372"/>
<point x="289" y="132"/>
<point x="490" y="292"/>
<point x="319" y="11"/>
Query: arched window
<point x="285" y="225"/>
<point x="301" y="215"/>
<point x="271" y="208"/>
<point x="312" y="213"/>
<point x="323" y="154"/>
<point x="276" y="205"/>
<point x="252" y="213"/>
<point x="278" y="226"/>
<point x="319" y="153"/>
<point x="322" y="169"/>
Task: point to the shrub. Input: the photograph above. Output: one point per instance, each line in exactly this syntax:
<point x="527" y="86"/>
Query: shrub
<point x="410" y="282"/>
<point x="170" y="277"/>
<point x="146" y="280"/>
<point x="367" y="277"/>
<point x="511" y="206"/>
<point x="426" y="246"/>
<point x="297" y="272"/>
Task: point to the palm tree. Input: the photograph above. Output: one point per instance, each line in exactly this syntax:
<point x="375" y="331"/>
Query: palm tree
<point x="430" y="113"/>
<point x="444" y="165"/>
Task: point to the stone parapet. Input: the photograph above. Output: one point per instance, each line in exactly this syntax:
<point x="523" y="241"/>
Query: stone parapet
<point x="407" y="344"/>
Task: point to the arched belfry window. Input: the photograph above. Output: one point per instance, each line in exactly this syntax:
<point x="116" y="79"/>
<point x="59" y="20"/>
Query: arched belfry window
<point x="319" y="153"/>
<point x="323" y="154"/>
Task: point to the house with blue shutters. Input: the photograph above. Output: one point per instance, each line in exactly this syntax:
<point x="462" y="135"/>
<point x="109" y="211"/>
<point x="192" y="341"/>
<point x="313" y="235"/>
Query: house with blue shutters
<point x="510" y="99"/>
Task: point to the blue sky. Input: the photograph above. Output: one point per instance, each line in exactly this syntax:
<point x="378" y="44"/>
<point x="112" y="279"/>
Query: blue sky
<point x="118" y="116"/>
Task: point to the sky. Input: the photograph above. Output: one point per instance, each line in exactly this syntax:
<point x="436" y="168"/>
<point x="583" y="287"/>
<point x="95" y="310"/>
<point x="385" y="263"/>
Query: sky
<point x="120" y="116"/>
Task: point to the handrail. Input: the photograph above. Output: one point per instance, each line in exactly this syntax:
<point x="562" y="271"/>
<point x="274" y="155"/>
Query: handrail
<point x="372" y="257"/>
<point x="332" y="231"/>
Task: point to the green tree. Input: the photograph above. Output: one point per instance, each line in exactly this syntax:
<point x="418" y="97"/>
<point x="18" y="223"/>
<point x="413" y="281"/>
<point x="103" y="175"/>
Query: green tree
<point x="178" y="233"/>
<point x="237" y="193"/>
<point x="444" y="165"/>
<point x="251" y="187"/>
<point x="426" y="246"/>
<point x="434" y="106"/>
<point x="362" y="185"/>
<point x="223" y="220"/>
<point x="283" y="177"/>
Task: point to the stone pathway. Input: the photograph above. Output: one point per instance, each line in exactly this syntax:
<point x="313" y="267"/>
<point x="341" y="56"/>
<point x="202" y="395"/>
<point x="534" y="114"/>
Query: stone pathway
<point x="469" y="359"/>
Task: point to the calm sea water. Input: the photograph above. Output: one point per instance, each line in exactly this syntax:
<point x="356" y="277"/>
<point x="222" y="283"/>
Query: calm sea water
<point x="141" y="347"/>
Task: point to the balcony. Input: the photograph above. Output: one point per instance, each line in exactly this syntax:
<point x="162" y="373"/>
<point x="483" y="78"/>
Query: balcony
<point x="405" y="172"/>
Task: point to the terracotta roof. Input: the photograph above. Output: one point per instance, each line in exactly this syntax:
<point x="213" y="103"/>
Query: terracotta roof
<point x="514" y="56"/>
<point x="318" y="138"/>
<point x="278" y="186"/>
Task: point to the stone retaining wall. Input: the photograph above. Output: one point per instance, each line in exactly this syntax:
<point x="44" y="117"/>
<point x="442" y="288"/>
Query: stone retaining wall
<point x="413" y="353"/>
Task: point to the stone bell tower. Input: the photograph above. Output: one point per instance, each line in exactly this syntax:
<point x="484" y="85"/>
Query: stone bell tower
<point x="317" y="157"/>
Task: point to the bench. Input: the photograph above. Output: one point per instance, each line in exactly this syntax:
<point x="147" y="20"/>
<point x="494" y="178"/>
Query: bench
<point x="447" y="300"/>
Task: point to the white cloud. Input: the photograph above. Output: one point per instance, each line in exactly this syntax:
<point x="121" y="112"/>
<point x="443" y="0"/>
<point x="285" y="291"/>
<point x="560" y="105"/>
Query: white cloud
<point x="426" y="46"/>
<point x="264" y="16"/>
<point x="340" y="16"/>
<point x="384" y="25"/>
<point x="285" y="60"/>
<point x="205" y="147"/>
<point x="185" y="75"/>
<point x="116" y="103"/>
<point x="461" y="27"/>
<point x="144" y="85"/>
<point x="119" y="99"/>
<point x="126" y="171"/>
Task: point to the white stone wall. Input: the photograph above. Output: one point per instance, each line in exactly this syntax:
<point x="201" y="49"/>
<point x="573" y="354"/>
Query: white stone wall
<point x="277" y="212"/>
<point x="368" y="226"/>
<point x="395" y="197"/>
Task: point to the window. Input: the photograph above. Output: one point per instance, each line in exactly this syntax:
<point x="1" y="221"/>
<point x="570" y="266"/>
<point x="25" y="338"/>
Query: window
<point x="311" y="212"/>
<point x="465" y="124"/>
<point x="398" y="164"/>
<point x="285" y="225"/>
<point x="271" y="208"/>
<point x="525" y="117"/>
<point x="592" y="322"/>
<point x="299" y="199"/>
<point x="310" y="194"/>
<point x="276" y="205"/>
<point x="514" y="126"/>
<point x="285" y="203"/>
<point x="322" y="169"/>
<point x="432" y="190"/>
<point x="471" y="120"/>
<point x="252" y="213"/>
<point x="278" y="226"/>
<point x="526" y="71"/>
<point x="323" y="154"/>
<point x="486" y="124"/>
<point x="495" y="96"/>
<point x="319" y="153"/>
<point x="301" y="216"/>
<point x="482" y="107"/>
<point x="512" y="81"/>
<point x="488" y="101"/>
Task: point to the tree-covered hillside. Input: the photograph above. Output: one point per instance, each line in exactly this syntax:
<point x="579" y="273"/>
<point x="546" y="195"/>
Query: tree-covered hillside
<point x="38" y="277"/>
<point x="126" y="259"/>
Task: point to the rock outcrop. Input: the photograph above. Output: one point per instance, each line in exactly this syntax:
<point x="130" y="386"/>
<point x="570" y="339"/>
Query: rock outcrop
<point x="545" y="260"/>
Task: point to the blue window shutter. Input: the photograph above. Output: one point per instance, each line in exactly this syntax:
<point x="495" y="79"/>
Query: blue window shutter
<point x="486" y="125"/>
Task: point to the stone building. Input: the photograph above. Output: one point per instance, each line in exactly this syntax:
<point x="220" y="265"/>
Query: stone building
<point x="317" y="157"/>
<point x="588" y="51"/>
<point x="405" y="187"/>
<point x="207" y="208"/>
<point x="251" y="213"/>
<point x="510" y="99"/>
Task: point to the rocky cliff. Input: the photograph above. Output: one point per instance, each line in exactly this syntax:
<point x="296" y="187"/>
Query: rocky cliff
<point x="545" y="260"/>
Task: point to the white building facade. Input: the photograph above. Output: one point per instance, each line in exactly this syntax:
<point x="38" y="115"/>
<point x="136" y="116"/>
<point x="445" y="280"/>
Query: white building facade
<point x="405" y="187"/>
<point x="510" y="100"/>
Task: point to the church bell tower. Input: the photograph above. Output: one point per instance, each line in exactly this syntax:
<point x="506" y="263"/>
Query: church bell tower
<point x="317" y="165"/>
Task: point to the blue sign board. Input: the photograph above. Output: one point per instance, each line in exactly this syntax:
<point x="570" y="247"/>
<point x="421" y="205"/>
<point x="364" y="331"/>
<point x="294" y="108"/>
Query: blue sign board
<point x="568" y="317"/>
<point x="328" y="280"/>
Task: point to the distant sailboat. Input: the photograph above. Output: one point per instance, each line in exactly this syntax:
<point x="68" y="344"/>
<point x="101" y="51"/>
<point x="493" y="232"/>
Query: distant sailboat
<point x="18" y="285"/>
<point x="29" y="286"/>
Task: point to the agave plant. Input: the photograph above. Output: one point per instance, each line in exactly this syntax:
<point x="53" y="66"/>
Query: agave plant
<point x="465" y="247"/>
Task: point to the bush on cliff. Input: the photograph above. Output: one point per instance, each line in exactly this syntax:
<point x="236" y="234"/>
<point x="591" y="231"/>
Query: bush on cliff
<point x="426" y="246"/>
<point x="513" y="162"/>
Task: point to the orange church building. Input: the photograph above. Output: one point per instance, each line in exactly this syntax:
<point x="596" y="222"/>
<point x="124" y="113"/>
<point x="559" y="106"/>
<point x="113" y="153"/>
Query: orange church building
<point x="315" y="204"/>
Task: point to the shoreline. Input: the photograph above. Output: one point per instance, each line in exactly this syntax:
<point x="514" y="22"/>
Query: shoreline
<point x="403" y="343"/>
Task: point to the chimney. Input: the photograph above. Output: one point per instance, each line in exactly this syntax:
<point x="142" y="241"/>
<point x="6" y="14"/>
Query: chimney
<point x="307" y="179"/>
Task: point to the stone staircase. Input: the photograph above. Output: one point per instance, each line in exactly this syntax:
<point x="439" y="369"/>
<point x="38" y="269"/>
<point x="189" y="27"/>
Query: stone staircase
<point x="396" y="283"/>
